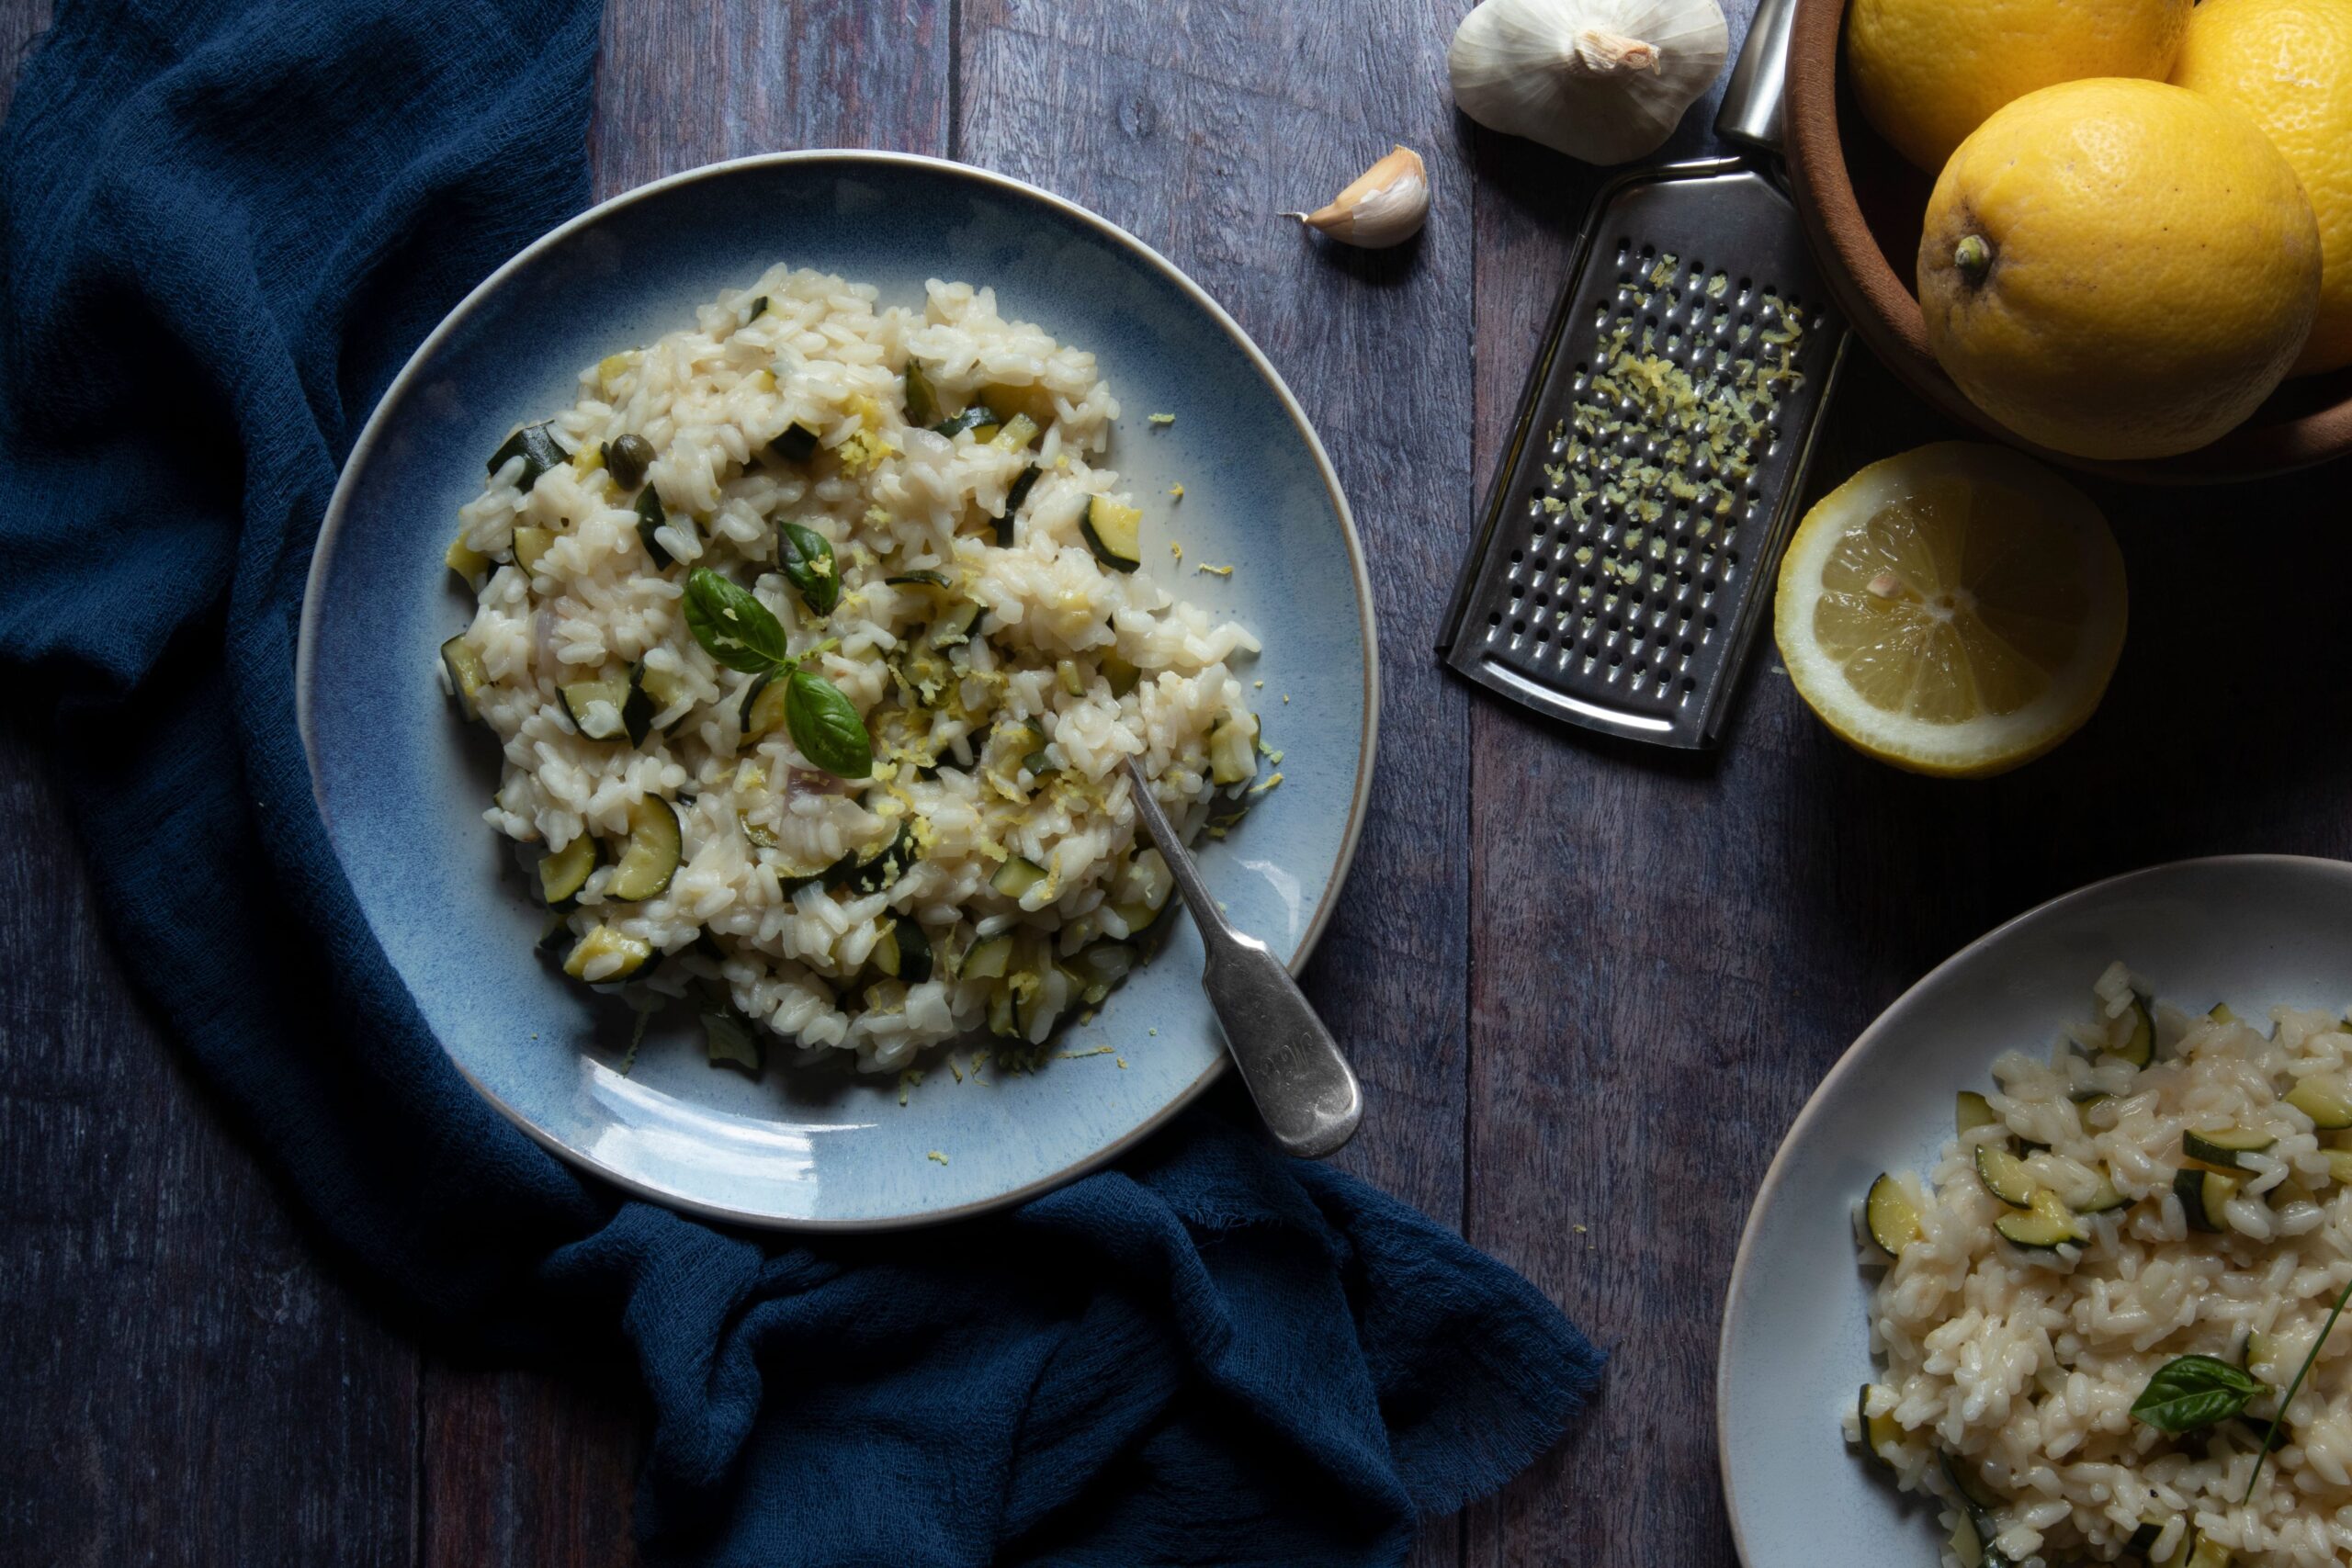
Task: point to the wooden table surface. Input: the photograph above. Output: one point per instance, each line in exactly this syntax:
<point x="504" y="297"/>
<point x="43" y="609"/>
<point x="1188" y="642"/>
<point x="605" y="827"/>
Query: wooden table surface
<point x="1588" y="985"/>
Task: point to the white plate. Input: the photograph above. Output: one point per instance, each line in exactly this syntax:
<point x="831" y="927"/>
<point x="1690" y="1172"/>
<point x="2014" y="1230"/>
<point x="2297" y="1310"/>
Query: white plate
<point x="2253" y="930"/>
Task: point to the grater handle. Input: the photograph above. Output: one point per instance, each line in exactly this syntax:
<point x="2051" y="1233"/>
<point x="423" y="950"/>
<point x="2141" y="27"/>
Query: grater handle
<point x="1751" y="107"/>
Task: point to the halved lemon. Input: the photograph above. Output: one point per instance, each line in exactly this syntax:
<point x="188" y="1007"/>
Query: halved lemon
<point x="1955" y="610"/>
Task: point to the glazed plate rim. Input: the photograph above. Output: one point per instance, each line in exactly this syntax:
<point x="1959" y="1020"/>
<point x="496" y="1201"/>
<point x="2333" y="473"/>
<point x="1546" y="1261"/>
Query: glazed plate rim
<point x="373" y="432"/>
<point x="1890" y="1029"/>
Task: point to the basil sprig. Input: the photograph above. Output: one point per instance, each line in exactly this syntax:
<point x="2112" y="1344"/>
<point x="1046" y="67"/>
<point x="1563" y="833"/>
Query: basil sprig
<point x="805" y="558"/>
<point x="742" y="633"/>
<point x="2192" y="1392"/>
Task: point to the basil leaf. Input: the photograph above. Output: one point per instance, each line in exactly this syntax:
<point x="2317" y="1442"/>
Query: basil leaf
<point x="2190" y="1391"/>
<point x="729" y="1039"/>
<point x="825" y="726"/>
<point x="806" y="557"/>
<point x="733" y="627"/>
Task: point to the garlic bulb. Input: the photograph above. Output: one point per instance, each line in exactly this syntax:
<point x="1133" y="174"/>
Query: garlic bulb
<point x="1385" y="205"/>
<point x="1600" y="80"/>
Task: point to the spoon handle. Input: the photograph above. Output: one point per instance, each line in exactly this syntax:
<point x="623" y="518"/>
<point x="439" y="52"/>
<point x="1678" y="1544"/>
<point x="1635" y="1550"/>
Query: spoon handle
<point x="1304" y="1090"/>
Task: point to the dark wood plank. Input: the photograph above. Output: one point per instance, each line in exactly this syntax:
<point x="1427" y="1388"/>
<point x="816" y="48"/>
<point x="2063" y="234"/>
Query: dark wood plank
<point x="686" y="85"/>
<point x="1193" y="127"/>
<point x="184" y="1382"/>
<point x="1703" y="938"/>
<point x="1668" y="951"/>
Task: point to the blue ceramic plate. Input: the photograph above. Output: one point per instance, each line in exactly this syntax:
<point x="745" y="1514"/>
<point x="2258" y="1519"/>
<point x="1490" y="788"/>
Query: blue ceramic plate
<point x="402" y="782"/>
<point x="2252" y="930"/>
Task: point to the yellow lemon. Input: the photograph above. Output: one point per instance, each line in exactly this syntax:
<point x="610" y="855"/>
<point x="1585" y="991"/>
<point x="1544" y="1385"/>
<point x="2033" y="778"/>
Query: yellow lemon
<point x="1955" y="610"/>
<point x="2118" y="268"/>
<point x="1927" y="72"/>
<point x="2289" y="64"/>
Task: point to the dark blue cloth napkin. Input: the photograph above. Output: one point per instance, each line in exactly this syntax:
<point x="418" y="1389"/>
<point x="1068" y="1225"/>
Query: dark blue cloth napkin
<point x="225" y="226"/>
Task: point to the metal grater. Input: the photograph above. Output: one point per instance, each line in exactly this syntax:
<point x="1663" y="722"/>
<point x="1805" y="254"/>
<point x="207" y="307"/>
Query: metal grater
<point x="1620" y="568"/>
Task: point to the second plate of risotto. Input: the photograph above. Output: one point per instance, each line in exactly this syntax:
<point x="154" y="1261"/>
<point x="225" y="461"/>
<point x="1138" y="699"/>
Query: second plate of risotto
<point x="2049" y="1270"/>
<point x="788" y="555"/>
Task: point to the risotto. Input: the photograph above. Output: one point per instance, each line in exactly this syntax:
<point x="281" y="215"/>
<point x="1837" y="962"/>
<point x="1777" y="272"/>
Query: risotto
<point x="2095" y="1304"/>
<point x="814" y="640"/>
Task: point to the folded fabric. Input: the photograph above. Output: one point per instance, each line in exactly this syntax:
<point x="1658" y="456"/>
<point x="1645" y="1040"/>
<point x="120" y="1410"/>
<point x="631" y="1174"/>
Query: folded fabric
<point x="224" y="226"/>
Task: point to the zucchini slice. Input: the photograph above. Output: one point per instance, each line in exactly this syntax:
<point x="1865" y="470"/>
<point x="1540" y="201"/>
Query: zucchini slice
<point x="1878" y="1432"/>
<point x="638" y="708"/>
<point x="1971" y="1110"/>
<point x="1001" y="1023"/>
<point x="2325" y="1099"/>
<point x="2203" y="1194"/>
<point x="2047" y="1224"/>
<point x="904" y="952"/>
<point x="1003" y="522"/>
<point x="1113" y="532"/>
<point x="468" y="674"/>
<point x="972" y="418"/>
<point x="987" y="960"/>
<point x="536" y="445"/>
<point x="606" y="942"/>
<point x="1889" y="1216"/>
<point x="2139" y="1047"/>
<point x="873" y="873"/>
<point x="1233" y="749"/>
<point x="1123" y="676"/>
<point x="649" y="516"/>
<point x="650" y="857"/>
<point x="1014" y="434"/>
<point x="925" y="578"/>
<point x="955" y="625"/>
<point x="922" y="402"/>
<point x="531" y="545"/>
<point x="2143" y="1540"/>
<point x="762" y="712"/>
<point x="797" y="445"/>
<point x="595" y="708"/>
<point x="1017" y="876"/>
<point x="2221" y="1145"/>
<point x="1100" y="966"/>
<point x="2339" y="1166"/>
<point x="2105" y="1199"/>
<point x="465" y="561"/>
<point x="2005" y="1176"/>
<point x="563" y="873"/>
<point x="2219" y="1013"/>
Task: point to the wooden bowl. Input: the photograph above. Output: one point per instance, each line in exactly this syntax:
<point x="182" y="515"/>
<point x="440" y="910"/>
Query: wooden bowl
<point x="1862" y="208"/>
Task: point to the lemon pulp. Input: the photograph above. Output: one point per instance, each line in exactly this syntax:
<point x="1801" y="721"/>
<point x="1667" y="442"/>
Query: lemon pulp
<point x="1958" y="609"/>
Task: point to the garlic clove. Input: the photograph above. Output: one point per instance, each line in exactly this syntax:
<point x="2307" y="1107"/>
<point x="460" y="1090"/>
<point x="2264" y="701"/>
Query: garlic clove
<point x="1385" y="206"/>
<point x="1601" y="80"/>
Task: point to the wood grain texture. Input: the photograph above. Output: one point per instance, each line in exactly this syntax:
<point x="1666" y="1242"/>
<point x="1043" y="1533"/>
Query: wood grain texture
<point x="1572" y="971"/>
<point x="184" y="1382"/>
<point x="1193" y="127"/>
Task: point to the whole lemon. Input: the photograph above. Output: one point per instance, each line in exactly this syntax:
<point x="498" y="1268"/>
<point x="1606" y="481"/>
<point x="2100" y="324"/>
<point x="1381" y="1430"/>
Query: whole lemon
<point x="1927" y="72"/>
<point x="2289" y="64"/>
<point x="2118" y="268"/>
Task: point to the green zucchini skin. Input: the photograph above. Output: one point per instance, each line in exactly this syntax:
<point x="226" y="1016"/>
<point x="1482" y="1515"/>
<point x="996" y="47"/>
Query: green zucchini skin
<point x="649" y="516"/>
<point x="1114" y="533"/>
<point x="536" y="445"/>
<point x="650" y="857"/>
<point x="1004" y="521"/>
<point x="880" y="870"/>
<point x="797" y="445"/>
<point x="564" y="871"/>
<point x="972" y="418"/>
<point x="914" y="953"/>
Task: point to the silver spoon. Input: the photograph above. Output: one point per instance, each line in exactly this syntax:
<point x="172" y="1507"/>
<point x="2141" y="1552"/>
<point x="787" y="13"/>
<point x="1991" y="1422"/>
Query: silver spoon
<point x="1304" y="1087"/>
